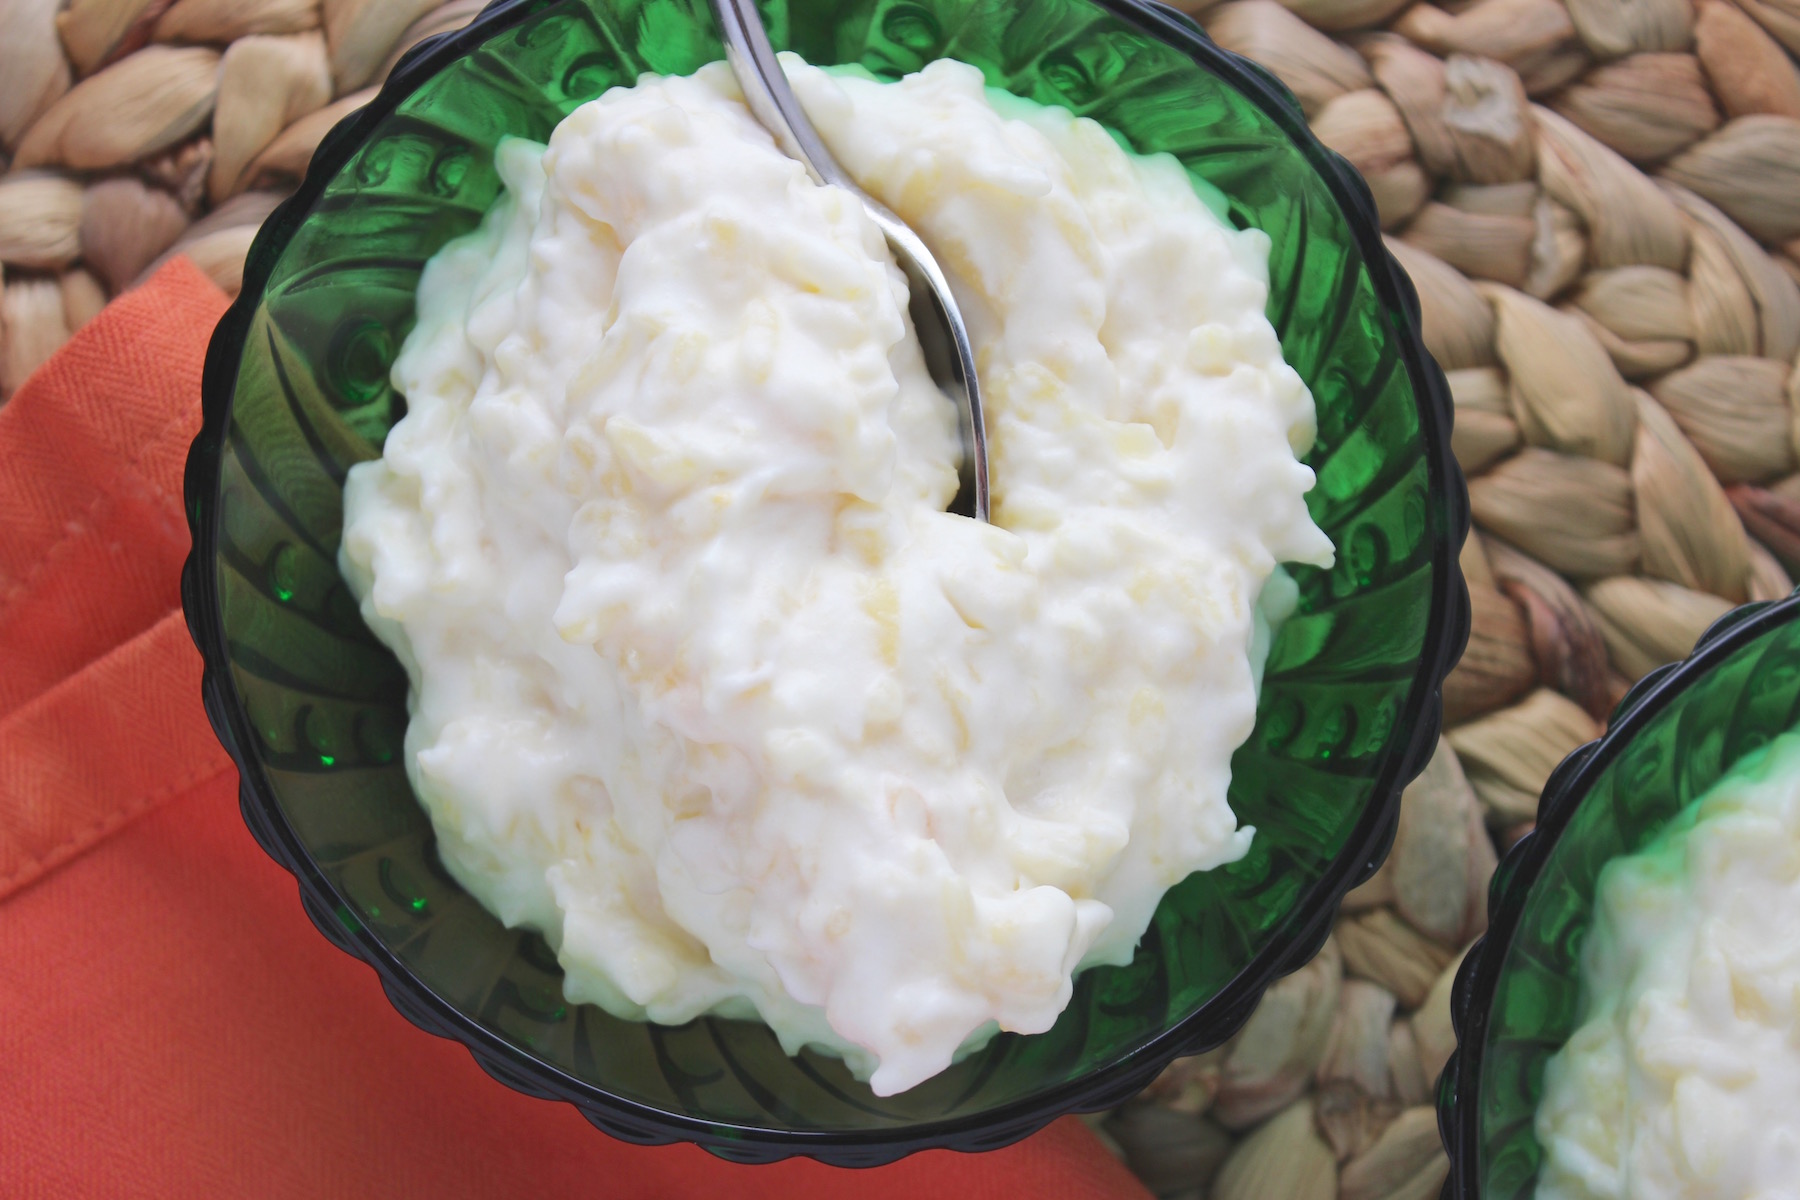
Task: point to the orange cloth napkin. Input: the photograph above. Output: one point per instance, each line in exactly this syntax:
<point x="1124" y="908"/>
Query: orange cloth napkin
<point x="170" y="1022"/>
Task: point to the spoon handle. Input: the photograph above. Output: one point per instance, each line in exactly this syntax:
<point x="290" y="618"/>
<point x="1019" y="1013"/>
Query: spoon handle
<point x="773" y="103"/>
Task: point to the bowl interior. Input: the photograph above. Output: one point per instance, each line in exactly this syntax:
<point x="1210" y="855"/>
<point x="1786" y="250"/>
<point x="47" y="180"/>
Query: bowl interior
<point x="1709" y="717"/>
<point x="320" y="705"/>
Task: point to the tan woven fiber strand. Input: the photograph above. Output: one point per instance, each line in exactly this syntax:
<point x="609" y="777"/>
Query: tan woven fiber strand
<point x="1599" y="202"/>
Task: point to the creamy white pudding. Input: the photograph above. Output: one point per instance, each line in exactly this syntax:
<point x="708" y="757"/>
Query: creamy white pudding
<point x="706" y="685"/>
<point x="1682" y="1081"/>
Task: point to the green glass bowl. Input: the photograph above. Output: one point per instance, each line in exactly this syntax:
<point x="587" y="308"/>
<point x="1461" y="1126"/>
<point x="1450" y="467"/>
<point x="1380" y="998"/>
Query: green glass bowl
<point x="312" y="707"/>
<point x="1515" y="1002"/>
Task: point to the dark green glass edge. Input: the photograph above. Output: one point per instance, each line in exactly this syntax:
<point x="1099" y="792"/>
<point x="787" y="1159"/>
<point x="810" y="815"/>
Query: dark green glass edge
<point x="1446" y="634"/>
<point x="1478" y="979"/>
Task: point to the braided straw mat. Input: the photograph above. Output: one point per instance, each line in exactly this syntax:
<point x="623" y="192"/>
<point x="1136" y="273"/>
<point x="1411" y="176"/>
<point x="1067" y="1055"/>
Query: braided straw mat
<point x="1599" y="201"/>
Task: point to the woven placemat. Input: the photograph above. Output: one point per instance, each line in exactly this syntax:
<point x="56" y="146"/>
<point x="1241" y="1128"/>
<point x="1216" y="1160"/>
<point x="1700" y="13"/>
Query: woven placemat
<point x="1599" y="201"/>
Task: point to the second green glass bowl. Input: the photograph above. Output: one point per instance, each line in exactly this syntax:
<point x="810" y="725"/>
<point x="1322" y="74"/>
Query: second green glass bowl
<point x="313" y="708"/>
<point x="1516" y="1000"/>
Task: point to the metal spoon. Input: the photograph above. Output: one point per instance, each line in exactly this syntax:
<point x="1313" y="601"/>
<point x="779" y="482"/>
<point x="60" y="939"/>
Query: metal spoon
<point x="942" y="334"/>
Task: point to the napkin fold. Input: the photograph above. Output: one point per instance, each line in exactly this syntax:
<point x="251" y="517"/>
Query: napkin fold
<point x="170" y="1022"/>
